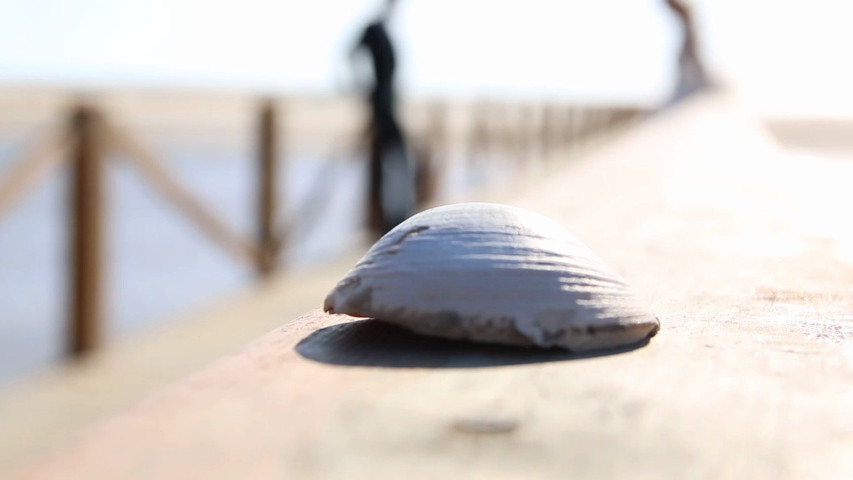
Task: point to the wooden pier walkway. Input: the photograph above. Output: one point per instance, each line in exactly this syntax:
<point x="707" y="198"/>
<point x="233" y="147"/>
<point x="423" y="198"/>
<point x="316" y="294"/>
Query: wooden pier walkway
<point x="744" y="252"/>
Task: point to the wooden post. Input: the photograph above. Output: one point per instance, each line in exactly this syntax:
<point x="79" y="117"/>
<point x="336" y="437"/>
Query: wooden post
<point x="431" y="161"/>
<point x="478" y="134"/>
<point x="85" y="240"/>
<point x="546" y="131"/>
<point x="268" y="241"/>
<point x="578" y="125"/>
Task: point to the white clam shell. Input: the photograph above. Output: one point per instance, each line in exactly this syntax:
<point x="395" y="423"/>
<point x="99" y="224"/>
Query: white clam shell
<point x="493" y="273"/>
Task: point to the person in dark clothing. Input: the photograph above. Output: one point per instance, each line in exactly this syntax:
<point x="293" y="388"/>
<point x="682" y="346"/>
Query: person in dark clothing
<point x="391" y="189"/>
<point x="691" y="71"/>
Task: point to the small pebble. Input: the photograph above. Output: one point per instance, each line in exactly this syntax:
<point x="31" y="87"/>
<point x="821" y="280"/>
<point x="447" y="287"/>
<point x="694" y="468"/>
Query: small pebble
<point x="485" y="426"/>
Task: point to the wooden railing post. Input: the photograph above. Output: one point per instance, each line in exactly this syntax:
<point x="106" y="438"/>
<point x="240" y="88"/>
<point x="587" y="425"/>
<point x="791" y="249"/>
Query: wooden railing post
<point x="86" y="240"/>
<point x="431" y="160"/>
<point x="268" y="241"/>
<point x="477" y="141"/>
<point x="546" y="131"/>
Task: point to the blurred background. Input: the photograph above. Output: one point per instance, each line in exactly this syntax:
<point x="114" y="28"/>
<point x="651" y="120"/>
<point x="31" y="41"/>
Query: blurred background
<point x="486" y="90"/>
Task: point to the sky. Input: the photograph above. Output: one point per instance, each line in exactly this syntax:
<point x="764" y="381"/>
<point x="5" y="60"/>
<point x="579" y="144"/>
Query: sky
<point x="781" y="55"/>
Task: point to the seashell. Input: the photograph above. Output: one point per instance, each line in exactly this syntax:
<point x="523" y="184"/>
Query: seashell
<point x="493" y="273"/>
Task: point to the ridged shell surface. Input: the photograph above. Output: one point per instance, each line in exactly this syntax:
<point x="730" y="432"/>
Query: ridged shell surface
<point x="493" y="273"/>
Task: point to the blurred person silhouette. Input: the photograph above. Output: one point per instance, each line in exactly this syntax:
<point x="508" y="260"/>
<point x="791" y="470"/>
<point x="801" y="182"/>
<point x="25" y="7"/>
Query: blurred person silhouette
<point x="391" y="171"/>
<point x="691" y="72"/>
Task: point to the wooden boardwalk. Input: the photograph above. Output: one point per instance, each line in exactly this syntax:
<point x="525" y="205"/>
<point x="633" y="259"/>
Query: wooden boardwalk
<point x="744" y="252"/>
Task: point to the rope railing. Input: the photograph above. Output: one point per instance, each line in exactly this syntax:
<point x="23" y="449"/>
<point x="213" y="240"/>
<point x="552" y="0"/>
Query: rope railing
<point x="38" y="161"/>
<point x="91" y="138"/>
<point x="88" y="141"/>
<point x="154" y="170"/>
